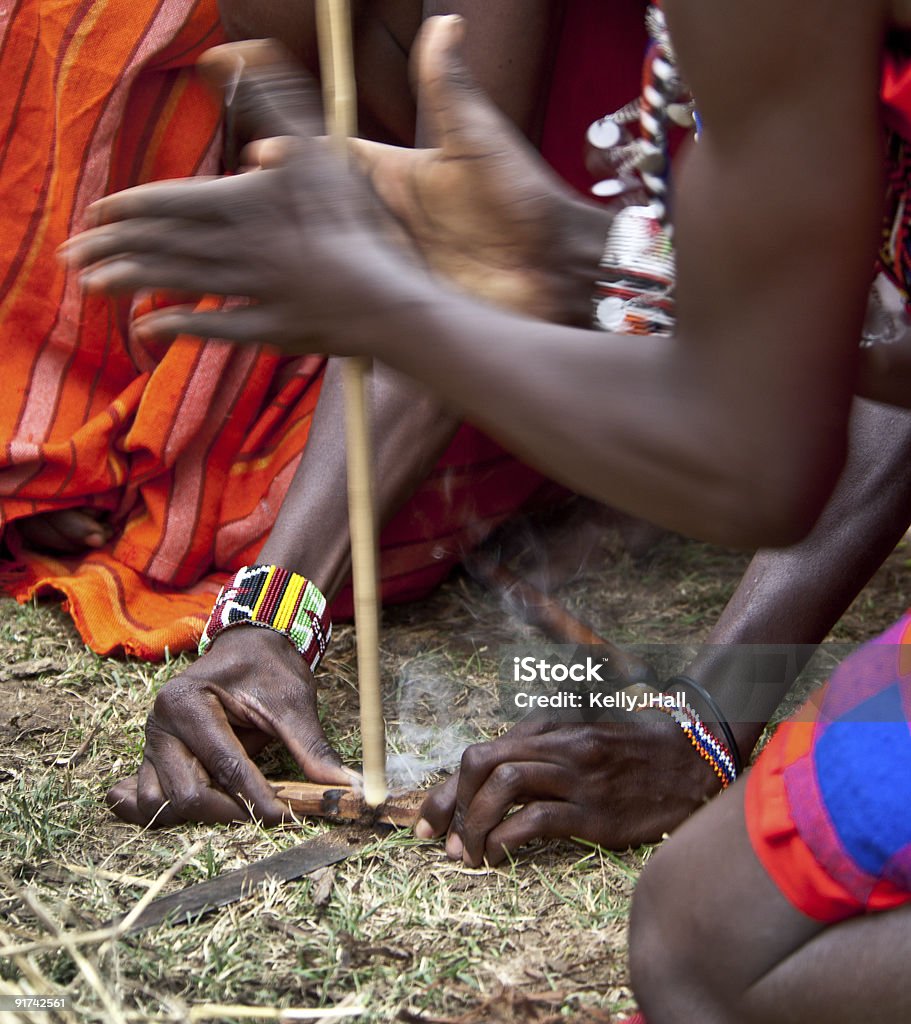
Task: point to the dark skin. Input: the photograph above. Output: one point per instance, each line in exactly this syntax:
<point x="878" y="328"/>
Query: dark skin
<point x="512" y="74"/>
<point x="712" y="939"/>
<point x="208" y="724"/>
<point x="654" y="447"/>
<point x="621" y="786"/>
<point x="384" y="31"/>
<point x="469" y="97"/>
<point x="745" y="271"/>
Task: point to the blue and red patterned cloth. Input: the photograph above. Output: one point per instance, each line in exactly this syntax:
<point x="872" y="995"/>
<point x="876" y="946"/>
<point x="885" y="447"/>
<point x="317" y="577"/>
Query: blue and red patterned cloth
<point x="828" y="804"/>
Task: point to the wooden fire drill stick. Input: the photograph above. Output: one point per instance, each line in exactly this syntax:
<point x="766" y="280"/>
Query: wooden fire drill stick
<point x="337" y="72"/>
<point x="342" y="803"/>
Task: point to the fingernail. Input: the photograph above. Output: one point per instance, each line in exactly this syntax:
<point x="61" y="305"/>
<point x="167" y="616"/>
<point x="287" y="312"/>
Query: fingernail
<point x="423" y="829"/>
<point x="454" y="847"/>
<point x="456" y="21"/>
<point x="142" y="328"/>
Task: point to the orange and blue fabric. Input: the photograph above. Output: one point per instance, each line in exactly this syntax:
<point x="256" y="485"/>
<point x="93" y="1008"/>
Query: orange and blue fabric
<point x="187" y="448"/>
<point x="827" y="801"/>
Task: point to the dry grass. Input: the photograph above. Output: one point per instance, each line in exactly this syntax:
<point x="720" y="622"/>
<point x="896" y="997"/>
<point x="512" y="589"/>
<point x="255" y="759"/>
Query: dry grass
<point x="398" y="931"/>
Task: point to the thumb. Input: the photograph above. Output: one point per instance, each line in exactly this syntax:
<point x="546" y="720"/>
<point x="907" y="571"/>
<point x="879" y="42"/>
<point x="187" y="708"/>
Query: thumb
<point x="265" y="92"/>
<point x="300" y="730"/>
<point x="454" y="112"/>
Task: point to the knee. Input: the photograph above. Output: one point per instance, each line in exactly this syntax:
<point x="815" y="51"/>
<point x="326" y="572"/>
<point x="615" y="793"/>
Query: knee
<point x="670" y="947"/>
<point x="654" y="953"/>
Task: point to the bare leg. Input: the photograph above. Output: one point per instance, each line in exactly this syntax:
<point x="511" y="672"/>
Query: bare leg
<point x="713" y="940"/>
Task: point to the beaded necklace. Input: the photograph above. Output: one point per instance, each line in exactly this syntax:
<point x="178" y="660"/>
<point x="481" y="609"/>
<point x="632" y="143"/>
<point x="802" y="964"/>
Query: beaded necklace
<point x="635" y="291"/>
<point x="634" y="294"/>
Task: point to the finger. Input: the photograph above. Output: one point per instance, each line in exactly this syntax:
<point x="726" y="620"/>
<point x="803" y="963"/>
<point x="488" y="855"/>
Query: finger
<point x="289" y="713"/>
<point x="84" y="527"/>
<point x="130" y="272"/>
<point x="68" y="530"/>
<point x="181" y="731"/>
<point x="532" y="741"/>
<point x="543" y="819"/>
<point x="141" y="234"/>
<point x="153" y="807"/>
<point x="507" y="785"/>
<point x="267" y="153"/>
<point x="265" y="91"/>
<point x="180" y="197"/>
<point x="123" y="801"/>
<point x="244" y="324"/>
<point x="439" y="805"/>
<point x="171" y="774"/>
<point x="456" y="113"/>
<point x="272" y="153"/>
<point x="303" y="735"/>
<point x="201" y="199"/>
<point x="42" y="533"/>
<point x="437" y="809"/>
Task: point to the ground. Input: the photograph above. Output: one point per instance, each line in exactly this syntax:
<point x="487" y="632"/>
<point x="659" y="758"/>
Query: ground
<point x="396" y="929"/>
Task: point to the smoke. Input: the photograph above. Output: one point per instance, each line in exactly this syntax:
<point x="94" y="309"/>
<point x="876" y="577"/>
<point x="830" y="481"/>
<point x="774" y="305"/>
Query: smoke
<point x="431" y="727"/>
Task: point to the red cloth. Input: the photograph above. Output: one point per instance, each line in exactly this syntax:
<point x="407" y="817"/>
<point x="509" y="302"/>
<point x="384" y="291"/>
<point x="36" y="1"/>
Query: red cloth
<point x="896" y="93"/>
<point x="189" y="448"/>
<point x="598" y="69"/>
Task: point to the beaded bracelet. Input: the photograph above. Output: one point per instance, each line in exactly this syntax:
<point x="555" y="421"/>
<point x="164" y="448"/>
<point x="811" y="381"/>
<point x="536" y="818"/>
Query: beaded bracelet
<point x="708" y="746"/>
<point x="715" y="709"/>
<point x="276" y="599"/>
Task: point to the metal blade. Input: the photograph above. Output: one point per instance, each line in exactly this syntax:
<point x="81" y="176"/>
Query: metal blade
<point x="199" y="899"/>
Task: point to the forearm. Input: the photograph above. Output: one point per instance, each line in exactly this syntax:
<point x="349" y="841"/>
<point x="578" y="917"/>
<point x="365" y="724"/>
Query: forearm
<point x="792" y="597"/>
<point x="635" y="421"/>
<point x="409" y="431"/>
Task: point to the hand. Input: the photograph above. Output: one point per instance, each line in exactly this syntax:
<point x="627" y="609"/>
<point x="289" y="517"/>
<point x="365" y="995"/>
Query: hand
<point x="616" y="784"/>
<point x="304" y="241"/>
<point x="483" y="209"/>
<point x="310" y="244"/>
<point x="206" y="726"/>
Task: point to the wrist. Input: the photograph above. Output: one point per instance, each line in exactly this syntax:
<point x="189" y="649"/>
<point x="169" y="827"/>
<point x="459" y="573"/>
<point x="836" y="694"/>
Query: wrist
<point x="695" y="783"/>
<point x="395" y="298"/>
<point x="584" y="228"/>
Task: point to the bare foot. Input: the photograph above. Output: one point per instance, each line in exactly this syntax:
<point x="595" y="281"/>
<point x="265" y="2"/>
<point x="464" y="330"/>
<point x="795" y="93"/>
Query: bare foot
<point x="69" y="531"/>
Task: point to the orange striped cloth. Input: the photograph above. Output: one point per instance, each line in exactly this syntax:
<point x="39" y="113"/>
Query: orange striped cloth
<point x="188" y="448"/>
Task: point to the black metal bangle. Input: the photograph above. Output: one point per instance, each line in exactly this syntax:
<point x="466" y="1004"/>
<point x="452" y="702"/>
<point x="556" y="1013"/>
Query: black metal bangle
<point x="716" y="711"/>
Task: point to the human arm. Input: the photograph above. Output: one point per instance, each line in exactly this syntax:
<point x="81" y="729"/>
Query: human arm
<point x="701" y="433"/>
<point x="790" y="598"/>
<point x="252" y="687"/>
<point x="208" y="724"/>
<point x="624" y="785"/>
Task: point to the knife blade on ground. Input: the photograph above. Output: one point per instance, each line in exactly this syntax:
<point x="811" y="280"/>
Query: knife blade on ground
<point x="195" y="900"/>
